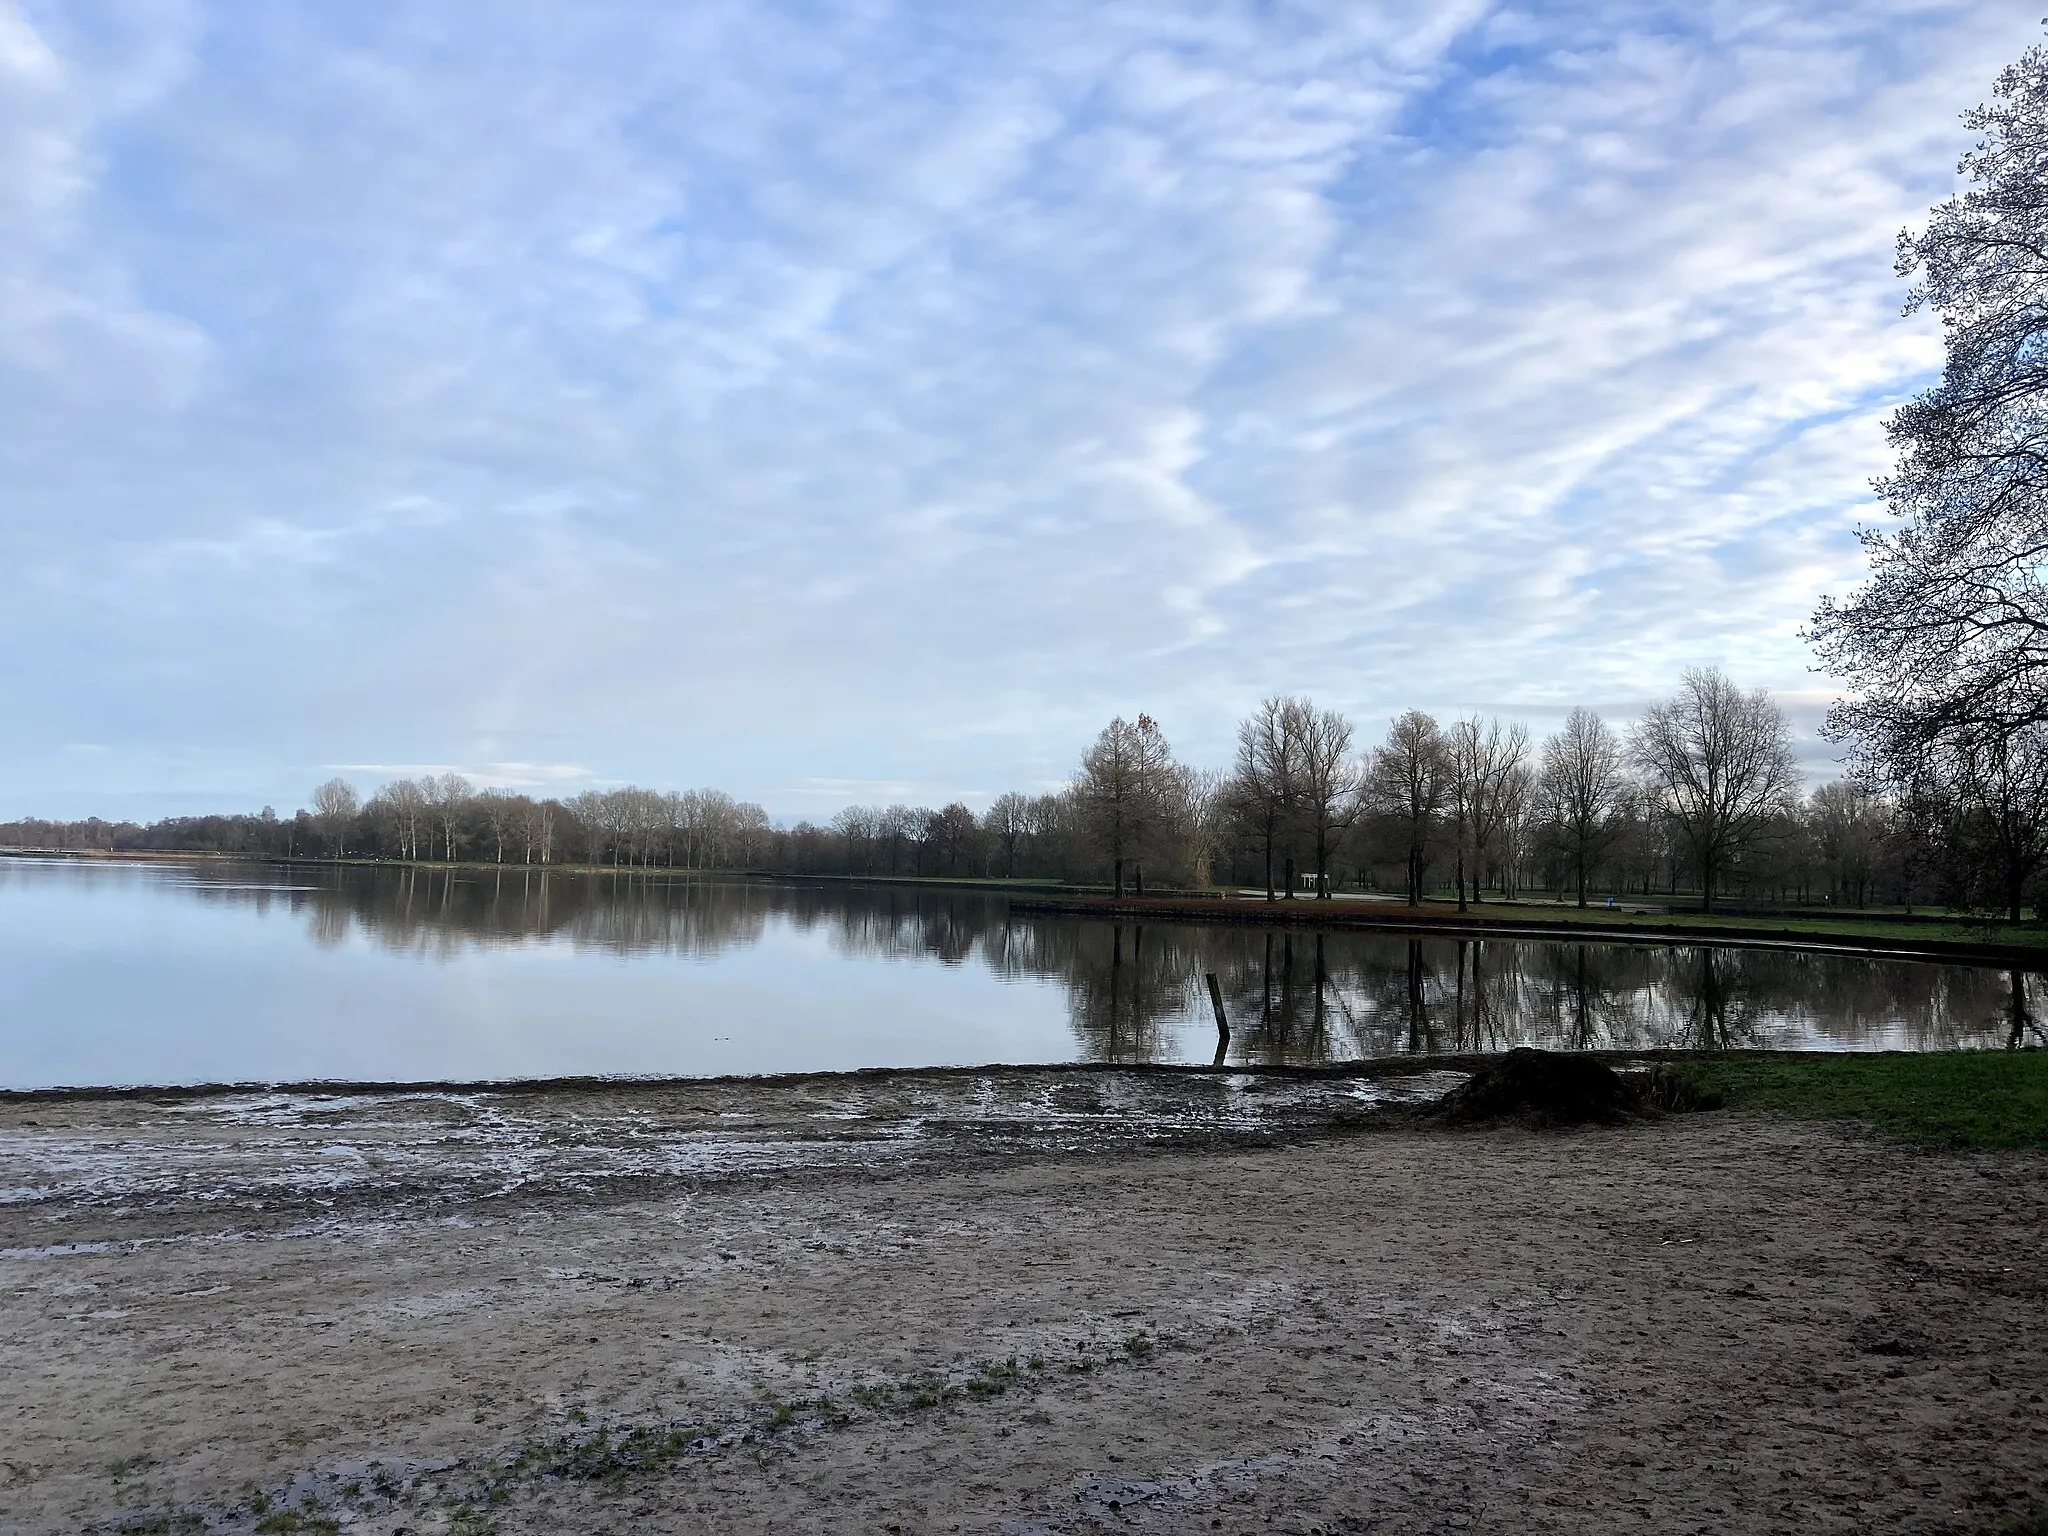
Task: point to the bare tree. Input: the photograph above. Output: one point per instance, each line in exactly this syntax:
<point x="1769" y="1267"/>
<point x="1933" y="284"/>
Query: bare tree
<point x="398" y="804"/>
<point x="858" y="827"/>
<point x="1511" y="829"/>
<point x="447" y="797"/>
<point x="952" y="831"/>
<point x="499" y="812"/>
<point x="1583" y="786"/>
<point x="1407" y="785"/>
<point x="1009" y="822"/>
<point x="1952" y="629"/>
<point x="1055" y="829"/>
<point x="1125" y="787"/>
<point x="1850" y="827"/>
<point x="750" y="829"/>
<point x="1979" y="797"/>
<point x="896" y="827"/>
<point x="1263" y="787"/>
<point x="1719" y="762"/>
<point x="335" y="804"/>
<point x="537" y="831"/>
<point x="1483" y="761"/>
<point x="1330" y="780"/>
<point x="1201" y="815"/>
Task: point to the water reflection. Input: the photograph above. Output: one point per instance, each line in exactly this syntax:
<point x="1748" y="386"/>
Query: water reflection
<point x="1291" y="996"/>
<point x="1130" y="992"/>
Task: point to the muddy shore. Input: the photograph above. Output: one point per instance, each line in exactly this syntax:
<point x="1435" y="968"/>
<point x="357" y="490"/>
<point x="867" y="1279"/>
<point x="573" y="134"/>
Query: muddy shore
<point x="1008" y="1303"/>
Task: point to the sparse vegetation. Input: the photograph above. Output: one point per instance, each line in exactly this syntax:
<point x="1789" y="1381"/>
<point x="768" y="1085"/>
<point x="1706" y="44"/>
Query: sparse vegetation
<point x="307" y="1523"/>
<point x="609" y="1454"/>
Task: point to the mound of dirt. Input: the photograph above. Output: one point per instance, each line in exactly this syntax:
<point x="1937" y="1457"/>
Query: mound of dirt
<point x="1543" y="1088"/>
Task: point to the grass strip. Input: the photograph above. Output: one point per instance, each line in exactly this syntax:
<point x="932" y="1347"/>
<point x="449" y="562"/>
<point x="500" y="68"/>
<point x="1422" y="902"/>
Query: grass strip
<point x="1981" y="1099"/>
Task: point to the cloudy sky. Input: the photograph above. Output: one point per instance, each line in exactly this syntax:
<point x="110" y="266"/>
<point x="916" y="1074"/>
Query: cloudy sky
<point x="866" y="400"/>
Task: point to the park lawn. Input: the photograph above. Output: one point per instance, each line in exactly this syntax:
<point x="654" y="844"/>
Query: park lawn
<point x="1984" y="1099"/>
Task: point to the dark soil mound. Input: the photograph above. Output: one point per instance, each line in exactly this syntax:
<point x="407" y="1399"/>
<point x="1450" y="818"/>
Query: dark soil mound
<point x="1544" y="1088"/>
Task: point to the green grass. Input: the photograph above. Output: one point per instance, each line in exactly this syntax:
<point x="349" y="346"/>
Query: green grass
<point x="1944" y="1099"/>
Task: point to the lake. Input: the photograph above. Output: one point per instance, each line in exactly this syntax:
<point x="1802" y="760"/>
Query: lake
<point x="183" y="973"/>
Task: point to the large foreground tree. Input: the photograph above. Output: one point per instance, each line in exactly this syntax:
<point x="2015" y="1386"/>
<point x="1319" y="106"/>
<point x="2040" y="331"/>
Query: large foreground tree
<point x="1945" y="649"/>
<point x="1952" y="628"/>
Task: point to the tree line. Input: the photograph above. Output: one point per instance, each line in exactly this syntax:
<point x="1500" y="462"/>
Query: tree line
<point x="1700" y="796"/>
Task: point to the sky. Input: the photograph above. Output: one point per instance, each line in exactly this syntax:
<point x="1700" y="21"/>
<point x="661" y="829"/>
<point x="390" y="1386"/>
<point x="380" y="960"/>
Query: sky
<point x="866" y="401"/>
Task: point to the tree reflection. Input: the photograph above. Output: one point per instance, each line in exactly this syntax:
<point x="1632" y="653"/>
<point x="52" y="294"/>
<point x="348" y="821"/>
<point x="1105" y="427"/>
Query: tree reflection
<point x="1121" y="1001"/>
<point x="1138" y="993"/>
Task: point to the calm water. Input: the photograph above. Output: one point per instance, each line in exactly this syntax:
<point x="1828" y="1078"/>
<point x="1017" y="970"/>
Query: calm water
<point x="121" y="974"/>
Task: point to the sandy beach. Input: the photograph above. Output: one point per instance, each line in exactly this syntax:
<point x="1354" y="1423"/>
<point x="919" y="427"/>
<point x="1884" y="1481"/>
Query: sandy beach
<point x="1008" y="1303"/>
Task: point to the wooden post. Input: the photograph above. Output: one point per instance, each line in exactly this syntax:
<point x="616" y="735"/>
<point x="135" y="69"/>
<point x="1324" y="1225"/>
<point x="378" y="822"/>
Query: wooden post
<point x="1222" y="1020"/>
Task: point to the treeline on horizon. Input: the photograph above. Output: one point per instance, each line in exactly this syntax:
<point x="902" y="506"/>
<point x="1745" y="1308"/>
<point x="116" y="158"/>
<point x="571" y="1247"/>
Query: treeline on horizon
<point x="1700" y="797"/>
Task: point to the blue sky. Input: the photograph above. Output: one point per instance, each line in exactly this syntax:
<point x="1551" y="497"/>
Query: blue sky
<point x="864" y="401"/>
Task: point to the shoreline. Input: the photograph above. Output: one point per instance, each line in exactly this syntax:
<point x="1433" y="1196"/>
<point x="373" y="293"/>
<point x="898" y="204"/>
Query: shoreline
<point x="1846" y="933"/>
<point x="1434" y="920"/>
<point x="1405" y="1065"/>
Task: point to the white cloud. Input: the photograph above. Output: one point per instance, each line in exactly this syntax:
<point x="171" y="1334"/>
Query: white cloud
<point x="721" y="394"/>
<point x="541" y="776"/>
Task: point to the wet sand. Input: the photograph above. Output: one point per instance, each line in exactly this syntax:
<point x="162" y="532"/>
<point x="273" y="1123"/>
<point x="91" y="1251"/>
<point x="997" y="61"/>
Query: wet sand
<point x="1016" y="1303"/>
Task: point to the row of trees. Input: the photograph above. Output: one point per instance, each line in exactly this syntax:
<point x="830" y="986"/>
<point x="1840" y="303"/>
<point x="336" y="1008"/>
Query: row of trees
<point x="444" y="818"/>
<point x="1699" y="795"/>
<point x="1703" y="789"/>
